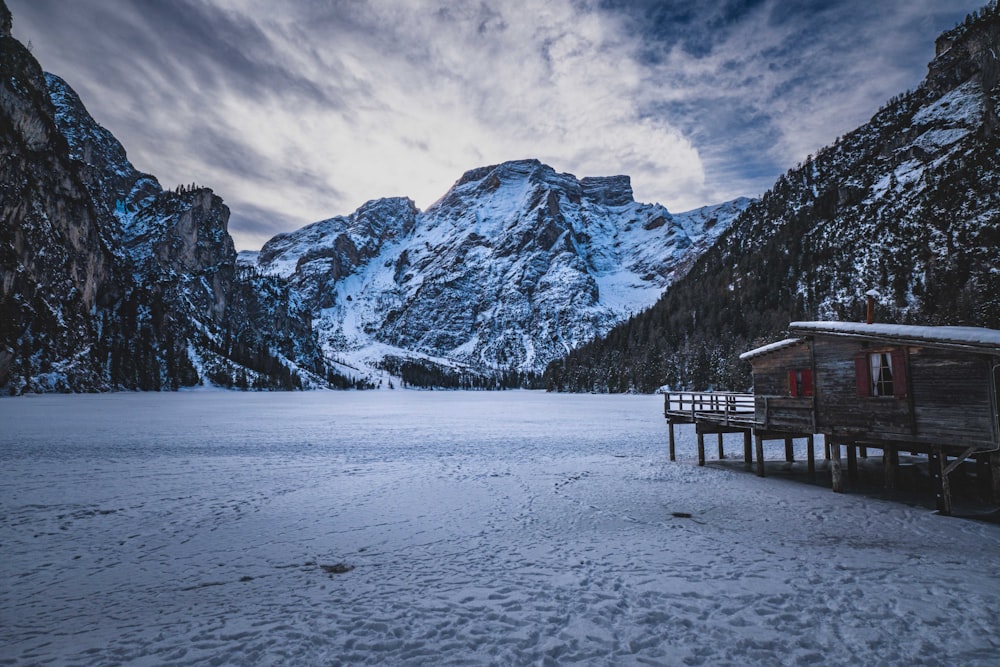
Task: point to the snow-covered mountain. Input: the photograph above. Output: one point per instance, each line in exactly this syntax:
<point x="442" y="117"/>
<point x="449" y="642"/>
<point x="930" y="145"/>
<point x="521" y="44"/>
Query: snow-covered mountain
<point x="516" y="265"/>
<point x="908" y="204"/>
<point x="107" y="281"/>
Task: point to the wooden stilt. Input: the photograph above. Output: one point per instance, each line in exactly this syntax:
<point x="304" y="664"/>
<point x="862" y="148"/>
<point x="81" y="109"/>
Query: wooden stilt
<point x="759" y="446"/>
<point x="747" y="450"/>
<point x="942" y="489"/>
<point x="983" y="476"/>
<point x="890" y="465"/>
<point x="811" y="457"/>
<point x="863" y="452"/>
<point x="826" y="450"/>
<point x="789" y="450"/>
<point x="673" y="443"/>
<point x="836" y="475"/>
<point x="995" y="477"/>
<point x="701" y="449"/>
<point x="852" y="464"/>
<point x="722" y="452"/>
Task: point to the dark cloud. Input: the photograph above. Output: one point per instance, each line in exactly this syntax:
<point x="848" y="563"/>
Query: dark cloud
<point x="300" y="110"/>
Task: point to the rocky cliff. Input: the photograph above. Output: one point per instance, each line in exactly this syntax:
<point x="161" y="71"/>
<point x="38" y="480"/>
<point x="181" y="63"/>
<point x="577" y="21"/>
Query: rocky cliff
<point x="109" y="282"/>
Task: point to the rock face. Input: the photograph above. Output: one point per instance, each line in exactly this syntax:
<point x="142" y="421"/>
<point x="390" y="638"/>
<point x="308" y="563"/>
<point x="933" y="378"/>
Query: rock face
<point x="907" y="204"/>
<point x="56" y="268"/>
<point x="109" y="282"/>
<point x="516" y="265"/>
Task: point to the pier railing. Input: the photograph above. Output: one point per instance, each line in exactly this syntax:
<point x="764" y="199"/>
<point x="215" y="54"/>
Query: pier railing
<point x="727" y="408"/>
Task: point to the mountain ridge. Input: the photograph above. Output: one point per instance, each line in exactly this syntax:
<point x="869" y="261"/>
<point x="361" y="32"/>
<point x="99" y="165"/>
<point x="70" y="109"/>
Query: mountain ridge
<point x="514" y="265"/>
<point x="907" y="204"/>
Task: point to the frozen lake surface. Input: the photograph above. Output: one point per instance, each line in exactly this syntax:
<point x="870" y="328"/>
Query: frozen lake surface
<point x="455" y="528"/>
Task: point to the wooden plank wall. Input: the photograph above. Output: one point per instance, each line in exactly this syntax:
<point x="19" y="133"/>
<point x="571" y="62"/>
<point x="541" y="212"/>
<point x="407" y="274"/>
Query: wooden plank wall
<point x="948" y="402"/>
<point x="952" y="396"/>
<point x="770" y="379"/>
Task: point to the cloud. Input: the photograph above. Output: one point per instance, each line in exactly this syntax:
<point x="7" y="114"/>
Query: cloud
<point x="295" y="112"/>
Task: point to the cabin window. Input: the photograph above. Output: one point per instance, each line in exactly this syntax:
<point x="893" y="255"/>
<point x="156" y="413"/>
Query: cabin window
<point x="800" y="382"/>
<point x="881" y="373"/>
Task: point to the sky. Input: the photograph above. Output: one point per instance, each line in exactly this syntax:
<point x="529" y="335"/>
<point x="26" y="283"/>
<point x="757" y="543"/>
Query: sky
<point x="299" y="110"/>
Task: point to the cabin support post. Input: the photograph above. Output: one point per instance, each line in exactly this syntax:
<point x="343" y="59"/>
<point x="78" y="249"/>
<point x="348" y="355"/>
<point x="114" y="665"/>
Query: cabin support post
<point x="983" y="477"/>
<point x="811" y="457"/>
<point x="942" y="488"/>
<point x="995" y="477"/>
<point x="789" y="450"/>
<point x="722" y="452"/>
<point x="836" y="476"/>
<point x="747" y="450"/>
<point x="863" y="452"/>
<point x="890" y="465"/>
<point x="673" y="442"/>
<point x="852" y="464"/>
<point x="701" y="449"/>
<point x="826" y="449"/>
<point x="759" y="446"/>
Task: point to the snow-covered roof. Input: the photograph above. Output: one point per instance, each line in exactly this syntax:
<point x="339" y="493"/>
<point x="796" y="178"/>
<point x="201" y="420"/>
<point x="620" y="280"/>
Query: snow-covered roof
<point x="976" y="337"/>
<point x="772" y="347"/>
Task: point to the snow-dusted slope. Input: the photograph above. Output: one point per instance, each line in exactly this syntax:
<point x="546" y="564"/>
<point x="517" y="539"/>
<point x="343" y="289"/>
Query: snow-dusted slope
<point x="513" y="267"/>
<point x="907" y="204"/>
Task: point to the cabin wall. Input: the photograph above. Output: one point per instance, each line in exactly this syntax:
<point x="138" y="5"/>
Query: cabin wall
<point x="952" y="395"/>
<point x="773" y="404"/>
<point x="948" y="402"/>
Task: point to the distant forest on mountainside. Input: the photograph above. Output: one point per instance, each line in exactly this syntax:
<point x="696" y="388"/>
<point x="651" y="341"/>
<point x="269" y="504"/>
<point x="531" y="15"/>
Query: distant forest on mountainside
<point x="908" y="205"/>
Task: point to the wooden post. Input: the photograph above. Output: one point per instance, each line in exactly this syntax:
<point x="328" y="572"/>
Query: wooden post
<point x="836" y="476"/>
<point x="983" y="476"/>
<point x="789" y="450"/>
<point x="701" y="449"/>
<point x="890" y="464"/>
<point x="760" y="455"/>
<point x="673" y="445"/>
<point x="747" y="450"/>
<point x="826" y="449"/>
<point x="995" y="477"/>
<point x="852" y="464"/>
<point x="811" y="457"/>
<point x="942" y="489"/>
<point x="722" y="452"/>
<point x="863" y="452"/>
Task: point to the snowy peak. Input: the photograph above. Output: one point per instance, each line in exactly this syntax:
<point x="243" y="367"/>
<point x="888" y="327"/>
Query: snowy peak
<point x="343" y="242"/>
<point x="515" y="265"/>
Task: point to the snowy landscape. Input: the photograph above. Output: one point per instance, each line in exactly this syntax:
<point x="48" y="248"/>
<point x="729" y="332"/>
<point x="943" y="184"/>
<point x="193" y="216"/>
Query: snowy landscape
<point x="414" y="527"/>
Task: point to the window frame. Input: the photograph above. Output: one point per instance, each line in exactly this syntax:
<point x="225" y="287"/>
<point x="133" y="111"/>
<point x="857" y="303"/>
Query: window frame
<point x="867" y="385"/>
<point x="800" y="383"/>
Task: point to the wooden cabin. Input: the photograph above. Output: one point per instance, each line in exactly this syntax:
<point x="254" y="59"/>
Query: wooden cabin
<point x="930" y="390"/>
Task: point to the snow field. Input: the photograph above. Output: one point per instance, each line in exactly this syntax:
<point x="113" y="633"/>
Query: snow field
<point x="481" y="528"/>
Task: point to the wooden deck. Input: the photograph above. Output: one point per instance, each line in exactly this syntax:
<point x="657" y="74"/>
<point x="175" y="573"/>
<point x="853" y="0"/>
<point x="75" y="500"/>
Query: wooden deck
<point x="732" y="412"/>
<point x="719" y="408"/>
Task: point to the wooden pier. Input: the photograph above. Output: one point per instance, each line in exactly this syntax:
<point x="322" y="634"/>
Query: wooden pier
<point x="929" y="391"/>
<point x="718" y="413"/>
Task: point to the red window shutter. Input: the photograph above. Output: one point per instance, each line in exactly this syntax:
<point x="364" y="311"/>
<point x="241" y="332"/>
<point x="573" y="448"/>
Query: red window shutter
<point x="791" y="384"/>
<point x="861" y="379"/>
<point x="807" y="382"/>
<point x="899" y="373"/>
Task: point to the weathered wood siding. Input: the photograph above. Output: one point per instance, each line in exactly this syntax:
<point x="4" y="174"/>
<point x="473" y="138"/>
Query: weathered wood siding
<point x="783" y="413"/>
<point x="948" y="402"/>
<point x="839" y="409"/>
<point x="772" y="403"/>
<point x="952" y="397"/>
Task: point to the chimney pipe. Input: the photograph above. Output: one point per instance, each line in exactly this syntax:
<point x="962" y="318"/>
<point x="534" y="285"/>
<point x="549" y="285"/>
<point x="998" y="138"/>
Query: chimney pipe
<point x="870" y="311"/>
